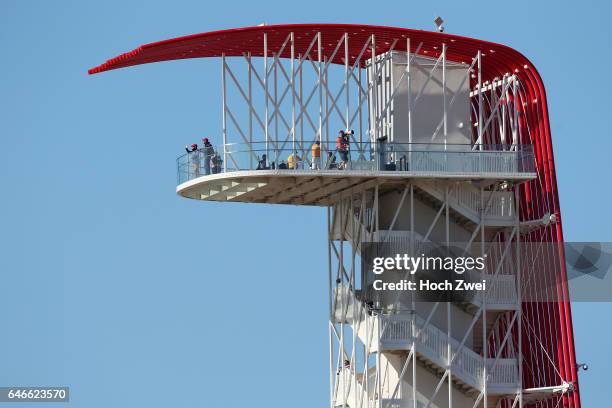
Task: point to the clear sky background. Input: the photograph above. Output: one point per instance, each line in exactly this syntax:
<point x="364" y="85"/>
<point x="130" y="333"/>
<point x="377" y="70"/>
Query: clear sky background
<point x="113" y="285"/>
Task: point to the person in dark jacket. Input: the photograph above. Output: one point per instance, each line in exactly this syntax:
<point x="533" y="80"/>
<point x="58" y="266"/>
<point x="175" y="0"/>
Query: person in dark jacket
<point x="207" y="153"/>
<point x="343" y="146"/>
<point x="263" y="163"/>
<point x="331" y="161"/>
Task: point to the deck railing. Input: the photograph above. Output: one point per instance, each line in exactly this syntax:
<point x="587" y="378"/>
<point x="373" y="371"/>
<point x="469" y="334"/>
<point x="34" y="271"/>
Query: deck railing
<point x="429" y="158"/>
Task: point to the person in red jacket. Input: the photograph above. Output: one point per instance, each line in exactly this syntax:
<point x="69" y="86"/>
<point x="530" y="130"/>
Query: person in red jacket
<point x="342" y="147"/>
<point x="193" y="158"/>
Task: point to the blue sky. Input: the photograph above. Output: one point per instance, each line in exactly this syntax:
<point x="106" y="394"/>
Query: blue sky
<point x="132" y="296"/>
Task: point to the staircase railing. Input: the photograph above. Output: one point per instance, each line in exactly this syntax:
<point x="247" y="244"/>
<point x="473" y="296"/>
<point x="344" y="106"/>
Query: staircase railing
<point x="467" y="198"/>
<point x="501" y="290"/>
<point x="396" y="333"/>
<point x="432" y="344"/>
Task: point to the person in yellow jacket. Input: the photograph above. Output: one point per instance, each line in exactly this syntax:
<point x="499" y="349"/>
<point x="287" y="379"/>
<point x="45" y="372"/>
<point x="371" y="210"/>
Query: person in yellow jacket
<point x="316" y="156"/>
<point x="294" y="161"/>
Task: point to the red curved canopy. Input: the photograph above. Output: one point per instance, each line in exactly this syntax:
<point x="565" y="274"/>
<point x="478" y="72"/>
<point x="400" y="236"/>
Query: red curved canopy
<point x="498" y="59"/>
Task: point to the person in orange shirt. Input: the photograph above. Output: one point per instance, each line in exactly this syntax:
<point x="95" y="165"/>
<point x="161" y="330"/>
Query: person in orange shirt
<point x="316" y="156"/>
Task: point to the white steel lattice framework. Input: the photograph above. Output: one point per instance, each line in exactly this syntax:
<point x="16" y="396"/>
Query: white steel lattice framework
<point x="281" y="128"/>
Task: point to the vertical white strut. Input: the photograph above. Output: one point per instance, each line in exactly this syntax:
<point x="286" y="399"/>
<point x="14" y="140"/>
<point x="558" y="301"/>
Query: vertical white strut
<point x="223" y="84"/>
<point x="266" y="93"/>
<point x="320" y="78"/>
<point x="444" y="94"/>
<point x="293" y="150"/>
<point x="480" y="135"/>
<point x="346" y="80"/>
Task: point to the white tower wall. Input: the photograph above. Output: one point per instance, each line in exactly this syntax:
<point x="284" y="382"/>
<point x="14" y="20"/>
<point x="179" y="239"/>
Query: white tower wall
<point x="389" y="100"/>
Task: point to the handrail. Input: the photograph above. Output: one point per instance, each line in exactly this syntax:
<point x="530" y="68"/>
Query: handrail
<point x="500" y="206"/>
<point x="365" y="156"/>
<point x="433" y="343"/>
<point x="397" y="331"/>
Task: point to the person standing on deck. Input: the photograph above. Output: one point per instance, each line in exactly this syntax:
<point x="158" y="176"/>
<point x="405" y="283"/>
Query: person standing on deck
<point x="316" y="156"/>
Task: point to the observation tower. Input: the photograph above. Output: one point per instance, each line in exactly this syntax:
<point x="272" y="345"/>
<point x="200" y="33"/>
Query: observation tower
<point x="450" y="143"/>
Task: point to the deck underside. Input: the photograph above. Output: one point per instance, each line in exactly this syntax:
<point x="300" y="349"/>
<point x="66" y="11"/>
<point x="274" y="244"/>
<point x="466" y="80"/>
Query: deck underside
<point x="309" y="188"/>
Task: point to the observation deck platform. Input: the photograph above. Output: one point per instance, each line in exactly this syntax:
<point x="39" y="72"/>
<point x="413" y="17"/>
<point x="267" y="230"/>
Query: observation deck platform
<point x="299" y="182"/>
